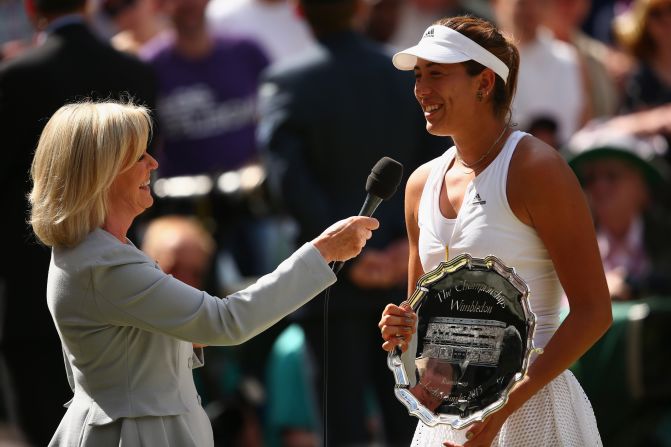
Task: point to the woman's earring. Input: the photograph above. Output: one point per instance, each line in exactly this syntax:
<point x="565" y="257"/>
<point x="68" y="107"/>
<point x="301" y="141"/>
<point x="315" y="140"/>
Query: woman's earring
<point x="478" y="95"/>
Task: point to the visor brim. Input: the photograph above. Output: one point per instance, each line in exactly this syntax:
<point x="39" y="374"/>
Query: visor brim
<point x="407" y="59"/>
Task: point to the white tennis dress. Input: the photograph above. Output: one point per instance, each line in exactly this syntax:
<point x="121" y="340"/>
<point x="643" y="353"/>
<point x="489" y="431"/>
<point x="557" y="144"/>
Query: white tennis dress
<point x="559" y="414"/>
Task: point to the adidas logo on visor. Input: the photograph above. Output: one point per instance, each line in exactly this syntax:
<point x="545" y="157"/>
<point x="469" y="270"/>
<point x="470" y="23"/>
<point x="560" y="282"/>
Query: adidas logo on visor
<point x="429" y="33"/>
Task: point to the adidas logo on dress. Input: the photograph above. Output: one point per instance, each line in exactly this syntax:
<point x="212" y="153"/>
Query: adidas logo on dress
<point x="429" y="33"/>
<point x="477" y="200"/>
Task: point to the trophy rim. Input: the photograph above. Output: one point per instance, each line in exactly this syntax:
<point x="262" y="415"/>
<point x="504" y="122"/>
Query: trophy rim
<point x="395" y="363"/>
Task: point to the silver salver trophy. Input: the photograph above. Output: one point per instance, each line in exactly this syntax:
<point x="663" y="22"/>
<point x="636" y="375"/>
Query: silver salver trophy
<point x="474" y="340"/>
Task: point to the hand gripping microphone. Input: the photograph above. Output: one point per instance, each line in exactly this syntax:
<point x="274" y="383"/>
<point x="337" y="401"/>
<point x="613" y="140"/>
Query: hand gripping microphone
<point x="380" y="185"/>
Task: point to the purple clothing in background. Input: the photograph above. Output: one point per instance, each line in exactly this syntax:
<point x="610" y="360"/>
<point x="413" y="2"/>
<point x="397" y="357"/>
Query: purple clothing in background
<point x="207" y="106"/>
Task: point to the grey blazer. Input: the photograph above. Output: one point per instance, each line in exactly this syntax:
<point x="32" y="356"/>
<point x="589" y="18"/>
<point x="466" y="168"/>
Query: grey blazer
<point x="127" y="328"/>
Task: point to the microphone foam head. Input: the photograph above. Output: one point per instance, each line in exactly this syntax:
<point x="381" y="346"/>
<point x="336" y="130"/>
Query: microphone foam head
<point x="384" y="178"/>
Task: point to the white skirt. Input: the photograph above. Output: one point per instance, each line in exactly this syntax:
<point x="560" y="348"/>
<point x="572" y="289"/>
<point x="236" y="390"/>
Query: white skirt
<point x="559" y="415"/>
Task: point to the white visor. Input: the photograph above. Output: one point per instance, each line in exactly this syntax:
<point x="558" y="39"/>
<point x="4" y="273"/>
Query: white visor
<point x="444" y="45"/>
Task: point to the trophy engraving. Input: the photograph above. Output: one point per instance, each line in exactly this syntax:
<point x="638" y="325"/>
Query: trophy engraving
<point x="474" y="341"/>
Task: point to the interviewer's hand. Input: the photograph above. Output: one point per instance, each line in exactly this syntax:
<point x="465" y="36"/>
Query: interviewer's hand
<point x="397" y="326"/>
<point x="344" y="239"/>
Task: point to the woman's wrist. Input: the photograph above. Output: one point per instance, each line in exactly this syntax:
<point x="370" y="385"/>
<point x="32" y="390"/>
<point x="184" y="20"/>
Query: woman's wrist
<point x="518" y="395"/>
<point x="322" y="247"/>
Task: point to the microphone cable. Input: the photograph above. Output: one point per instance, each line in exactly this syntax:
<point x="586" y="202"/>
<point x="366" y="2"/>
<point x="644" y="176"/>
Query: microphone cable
<point x="325" y="367"/>
<point x="381" y="184"/>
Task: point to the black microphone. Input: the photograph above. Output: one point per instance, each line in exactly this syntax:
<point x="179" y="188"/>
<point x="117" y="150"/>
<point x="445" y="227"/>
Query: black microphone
<point x="381" y="185"/>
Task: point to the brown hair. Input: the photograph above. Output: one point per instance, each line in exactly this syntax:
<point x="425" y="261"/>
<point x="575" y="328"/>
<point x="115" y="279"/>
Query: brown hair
<point x="489" y="37"/>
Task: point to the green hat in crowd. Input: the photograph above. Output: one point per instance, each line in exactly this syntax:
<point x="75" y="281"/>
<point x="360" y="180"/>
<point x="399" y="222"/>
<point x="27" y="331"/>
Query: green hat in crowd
<point x="644" y="153"/>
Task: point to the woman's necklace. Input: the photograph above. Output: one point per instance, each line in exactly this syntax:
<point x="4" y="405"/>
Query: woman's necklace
<point x="484" y="156"/>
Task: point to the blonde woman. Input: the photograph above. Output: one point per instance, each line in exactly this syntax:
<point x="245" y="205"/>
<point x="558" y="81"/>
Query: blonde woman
<point x="126" y="327"/>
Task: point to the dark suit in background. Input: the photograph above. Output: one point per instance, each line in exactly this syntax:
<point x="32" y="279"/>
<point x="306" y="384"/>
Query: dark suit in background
<point x="71" y="64"/>
<point x="324" y="122"/>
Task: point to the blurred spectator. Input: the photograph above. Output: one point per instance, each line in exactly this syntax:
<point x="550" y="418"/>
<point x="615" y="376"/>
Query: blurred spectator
<point x="207" y="115"/>
<point x="545" y="129"/>
<point x="383" y="20"/>
<point x="16" y="31"/>
<point x="71" y="64"/>
<point x="549" y="69"/>
<point x="644" y="32"/>
<point x="564" y="19"/>
<point x="137" y="22"/>
<point x="599" y="20"/>
<point x="655" y="121"/>
<point x="620" y="174"/>
<point x="207" y="94"/>
<point x="291" y="413"/>
<point x="237" y="425"/>
<point x="273" y="24"/>
<point x="650" y="122"/>
<point x="207" y="120"/>
<point x="417" y="15"/>
<point x="183" y="248"/>
<point x="325" y="121"/>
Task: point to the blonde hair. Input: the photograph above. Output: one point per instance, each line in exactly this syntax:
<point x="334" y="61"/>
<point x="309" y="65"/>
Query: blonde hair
<point x="82" y="149"/>
<point x="630" y="29"/>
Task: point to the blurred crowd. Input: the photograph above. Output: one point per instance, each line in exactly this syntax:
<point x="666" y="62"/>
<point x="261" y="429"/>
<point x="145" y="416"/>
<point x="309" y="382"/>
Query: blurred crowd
<point x="270" y="114"/>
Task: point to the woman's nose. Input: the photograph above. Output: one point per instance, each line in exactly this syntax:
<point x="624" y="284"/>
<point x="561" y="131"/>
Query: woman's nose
<point x="421" y="89"/>
<point x="153" y="164"/>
